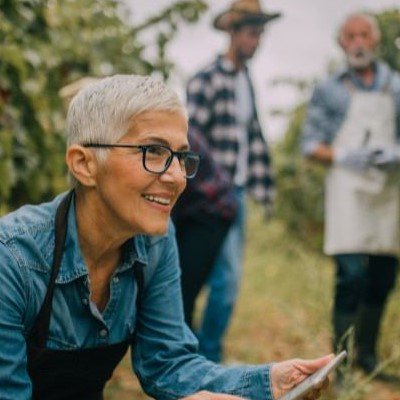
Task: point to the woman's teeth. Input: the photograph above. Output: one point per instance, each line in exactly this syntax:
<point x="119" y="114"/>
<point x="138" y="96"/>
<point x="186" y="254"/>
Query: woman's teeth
<point x="159" y="200"/>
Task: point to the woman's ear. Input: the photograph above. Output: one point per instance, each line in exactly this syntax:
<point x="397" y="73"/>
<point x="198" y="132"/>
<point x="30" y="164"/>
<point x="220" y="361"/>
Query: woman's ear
<point x="82" y="164"/>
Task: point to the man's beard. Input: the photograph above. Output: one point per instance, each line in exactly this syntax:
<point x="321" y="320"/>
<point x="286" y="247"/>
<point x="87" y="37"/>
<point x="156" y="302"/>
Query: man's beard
<point x="360" y="58"/>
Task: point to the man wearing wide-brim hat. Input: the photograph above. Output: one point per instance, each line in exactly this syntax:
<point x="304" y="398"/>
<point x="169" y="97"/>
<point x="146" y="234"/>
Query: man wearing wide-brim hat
<point x="222" y="108"/>
<point x="242" y="12"/>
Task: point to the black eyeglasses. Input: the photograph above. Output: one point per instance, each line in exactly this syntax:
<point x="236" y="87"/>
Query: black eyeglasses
<point x="157" y="158"/>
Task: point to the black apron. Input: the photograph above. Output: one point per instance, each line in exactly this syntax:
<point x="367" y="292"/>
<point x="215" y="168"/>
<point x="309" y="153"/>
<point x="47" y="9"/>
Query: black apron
<point x="70" y="374"/>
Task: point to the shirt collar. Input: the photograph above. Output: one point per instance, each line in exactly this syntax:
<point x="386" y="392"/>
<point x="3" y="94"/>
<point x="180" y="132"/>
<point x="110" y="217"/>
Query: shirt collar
<point x="381" y="78"/>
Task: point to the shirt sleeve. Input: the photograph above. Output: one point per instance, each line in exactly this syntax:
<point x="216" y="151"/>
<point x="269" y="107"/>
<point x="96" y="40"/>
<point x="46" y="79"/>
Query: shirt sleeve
<point x="14" y="379"/>
<point x="199" y="98"/>
<point x="316" y="129"/>
<point x="165" y="355"/>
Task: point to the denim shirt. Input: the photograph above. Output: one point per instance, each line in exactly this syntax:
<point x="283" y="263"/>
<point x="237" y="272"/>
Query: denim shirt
<point x="330" y="101"/>
<point x="164" y="352"/>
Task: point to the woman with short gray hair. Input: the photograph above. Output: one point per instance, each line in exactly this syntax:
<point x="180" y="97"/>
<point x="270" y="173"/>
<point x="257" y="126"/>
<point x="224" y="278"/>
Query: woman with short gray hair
<point x="96" y="271"/>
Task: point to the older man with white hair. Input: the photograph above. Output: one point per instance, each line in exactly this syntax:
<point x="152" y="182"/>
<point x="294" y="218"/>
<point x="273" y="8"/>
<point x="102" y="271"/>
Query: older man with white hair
<point x="353" y="125"/>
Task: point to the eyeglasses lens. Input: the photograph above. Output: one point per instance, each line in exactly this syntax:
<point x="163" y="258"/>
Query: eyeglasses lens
<point x="191" y="165"/>
<point x="158" y="158"/>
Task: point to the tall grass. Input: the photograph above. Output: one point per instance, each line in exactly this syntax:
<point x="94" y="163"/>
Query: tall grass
<point x="284" y="311"/>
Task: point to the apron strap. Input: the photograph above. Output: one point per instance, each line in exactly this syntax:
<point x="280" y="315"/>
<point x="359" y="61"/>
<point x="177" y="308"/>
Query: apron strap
<point x="40" y="329"/>
<point x="386" y="86"/>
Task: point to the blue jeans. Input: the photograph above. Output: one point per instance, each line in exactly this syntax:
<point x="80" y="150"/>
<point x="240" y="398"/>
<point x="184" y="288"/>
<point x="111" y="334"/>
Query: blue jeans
<point x="223" y="284"/>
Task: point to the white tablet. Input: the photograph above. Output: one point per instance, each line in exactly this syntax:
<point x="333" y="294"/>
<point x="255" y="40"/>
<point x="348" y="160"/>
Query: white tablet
<point x="314" y="380"/>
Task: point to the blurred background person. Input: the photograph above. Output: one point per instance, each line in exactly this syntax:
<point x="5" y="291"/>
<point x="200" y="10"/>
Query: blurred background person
<point x="222" y="108"/>
<point x="202" y="217"/>
<point x="353" y="125"/>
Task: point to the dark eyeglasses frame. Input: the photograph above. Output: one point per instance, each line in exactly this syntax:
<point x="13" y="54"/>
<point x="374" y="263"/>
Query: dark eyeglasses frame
<point x="145" y="147"/>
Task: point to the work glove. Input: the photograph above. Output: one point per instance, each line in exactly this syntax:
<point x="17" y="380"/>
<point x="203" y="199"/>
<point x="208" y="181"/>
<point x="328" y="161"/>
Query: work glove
<point x="357" y="159"/>
<point x="387" y="158"/>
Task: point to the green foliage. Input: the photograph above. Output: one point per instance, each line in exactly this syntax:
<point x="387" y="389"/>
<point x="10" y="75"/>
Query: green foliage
<point x="45" y="44"/>
<point x="300" y="182"/>
<point x="300" y="185"/>
<point x="389" y="22"/>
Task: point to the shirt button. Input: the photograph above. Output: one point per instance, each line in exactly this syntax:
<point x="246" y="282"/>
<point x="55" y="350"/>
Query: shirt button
<point x="85" y="301"/>
<point x="103" y="333"/>
<point x="116" y="279"/>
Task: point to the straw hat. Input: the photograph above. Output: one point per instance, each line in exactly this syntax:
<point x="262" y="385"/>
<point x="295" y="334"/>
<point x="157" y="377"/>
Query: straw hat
<point x="241" y="11"/>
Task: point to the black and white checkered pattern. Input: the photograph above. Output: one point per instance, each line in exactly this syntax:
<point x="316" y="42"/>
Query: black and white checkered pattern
<point x="211" y="105"/>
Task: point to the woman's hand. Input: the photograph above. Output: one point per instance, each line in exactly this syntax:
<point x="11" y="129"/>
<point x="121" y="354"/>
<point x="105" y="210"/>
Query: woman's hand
<point x="286" y="375"/>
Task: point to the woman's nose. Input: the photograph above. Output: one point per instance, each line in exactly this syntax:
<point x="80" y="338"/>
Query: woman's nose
<point x="175" y="171"/>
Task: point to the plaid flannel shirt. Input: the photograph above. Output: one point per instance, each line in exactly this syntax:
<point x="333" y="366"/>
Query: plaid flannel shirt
<point x="211" y="105"/>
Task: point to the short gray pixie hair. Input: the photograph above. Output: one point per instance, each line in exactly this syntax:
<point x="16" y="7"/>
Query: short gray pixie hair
<point x="102" y="112"/>
<point x="369" y="18"/>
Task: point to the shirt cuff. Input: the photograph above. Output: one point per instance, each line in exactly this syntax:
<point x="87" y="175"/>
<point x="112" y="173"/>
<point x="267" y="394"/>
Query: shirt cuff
<point x="258" y="383"/>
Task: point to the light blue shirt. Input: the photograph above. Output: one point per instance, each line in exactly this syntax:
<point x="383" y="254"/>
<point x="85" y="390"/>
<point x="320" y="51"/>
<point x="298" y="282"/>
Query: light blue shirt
<point x="164" y="353"/>
<point x="330" y="101"/>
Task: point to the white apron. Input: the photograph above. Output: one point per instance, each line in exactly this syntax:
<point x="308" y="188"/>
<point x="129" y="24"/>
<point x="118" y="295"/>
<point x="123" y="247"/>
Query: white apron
<point x="362" y="209"/>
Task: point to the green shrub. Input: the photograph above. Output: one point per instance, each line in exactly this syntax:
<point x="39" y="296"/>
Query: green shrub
<point x="46" y="44"/>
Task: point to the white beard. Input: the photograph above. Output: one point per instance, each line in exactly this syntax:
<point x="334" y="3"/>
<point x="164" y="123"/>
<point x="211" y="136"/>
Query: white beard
<point x="360" y="58"/>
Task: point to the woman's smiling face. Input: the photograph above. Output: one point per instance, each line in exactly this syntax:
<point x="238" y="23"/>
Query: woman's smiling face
<point x="132" y="199"/>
